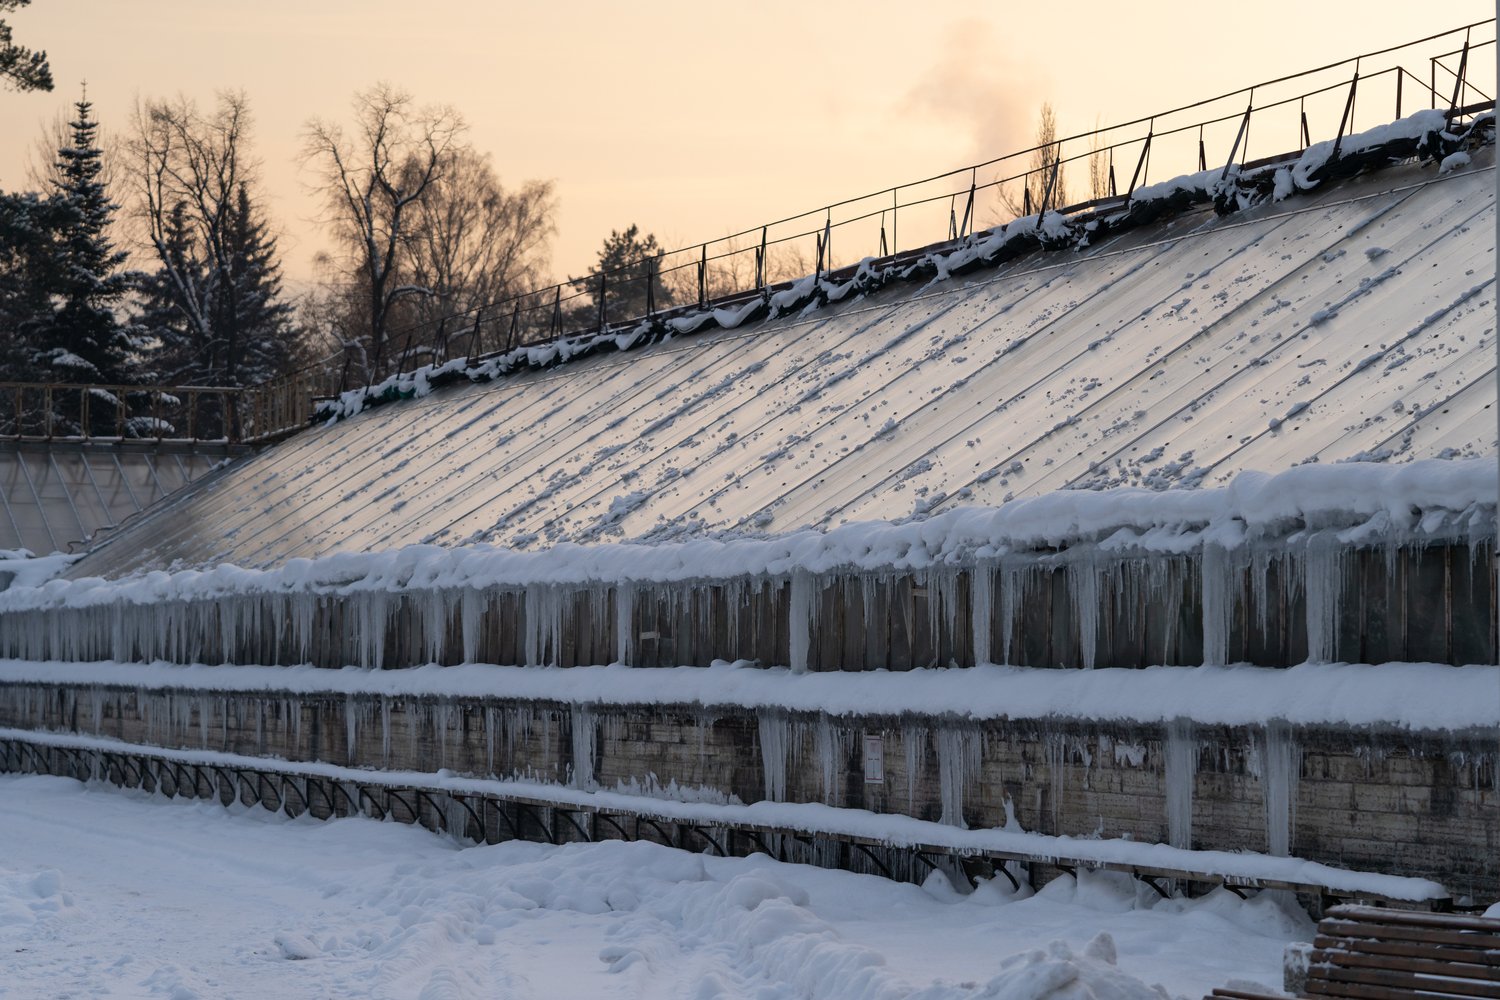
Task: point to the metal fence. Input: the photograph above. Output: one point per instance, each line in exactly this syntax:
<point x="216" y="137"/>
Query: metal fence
<point x="1452" y="71"/>
<point x="235" y="415"/>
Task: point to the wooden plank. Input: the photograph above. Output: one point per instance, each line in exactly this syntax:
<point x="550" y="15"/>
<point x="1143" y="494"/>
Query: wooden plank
<point x="1411" y="949"/>
<point x="1414" y="918"/>
<point x="1338" y="957"/>
<point x="1391" y="980"/>
<point x="1457" y="937"/>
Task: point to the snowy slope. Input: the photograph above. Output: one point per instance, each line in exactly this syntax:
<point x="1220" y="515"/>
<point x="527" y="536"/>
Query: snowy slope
<point x="1352" y="322"/>
<point x="355" y="908"/>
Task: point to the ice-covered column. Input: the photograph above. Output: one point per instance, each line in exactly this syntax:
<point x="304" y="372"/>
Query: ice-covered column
<point x="1323" y="584"/>
<point x="1217" y="604"/>
<point x="800" y="621"/>
<point x="585" y="738"/>
<point x="774" y="732"/>
<point x="982" y="609"/>
<point x="1280" y="769"/>
<point x="1181" y="771"/>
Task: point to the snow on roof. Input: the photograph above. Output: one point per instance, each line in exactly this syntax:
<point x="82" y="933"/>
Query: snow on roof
<point x="1352" y="322"/>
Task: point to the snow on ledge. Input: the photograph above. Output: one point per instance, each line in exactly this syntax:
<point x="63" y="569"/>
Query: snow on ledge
<point x="1418" y="697"/>
<point x="1365" y="502"/>
<point x="815" y="818"/>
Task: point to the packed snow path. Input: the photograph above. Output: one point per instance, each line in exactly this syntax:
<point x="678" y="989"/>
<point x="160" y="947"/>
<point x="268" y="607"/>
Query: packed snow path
<point x="112" y="894"/>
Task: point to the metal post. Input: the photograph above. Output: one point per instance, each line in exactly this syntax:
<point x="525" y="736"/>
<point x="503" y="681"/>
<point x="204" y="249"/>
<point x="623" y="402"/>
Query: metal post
<point x="1244" y="126"/>
<point x="965" y="229"/>
<point x="1202" y="153"/>
<point x="1344" y="122"/>
<point x="476" y="339"/>
<point x="1306" y="135"/>
<point x="703" y="277"/>
<point x="515" y="326"/>
<point x="1400" y="76"/>
<point x="557" y="311"/>
<point x="1051" y="184"/>
<point x="884" y="252"/>
<point x="603" y="293"/>
<point x="760" y="262"/>
<point x="1142" y="163"/>
<point x="895" y="204"/>
<point x="1458" y="79"/>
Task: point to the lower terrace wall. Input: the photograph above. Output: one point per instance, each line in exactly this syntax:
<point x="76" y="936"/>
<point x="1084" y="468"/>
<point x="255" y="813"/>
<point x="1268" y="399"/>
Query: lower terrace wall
<point x="1386" y="800"/>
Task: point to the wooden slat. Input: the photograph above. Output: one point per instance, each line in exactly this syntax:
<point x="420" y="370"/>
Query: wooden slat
<point x="1489" y="957"/>
<point x="1414" y="918"/>
<point x="1425" y="965"/>
<point x="1353" y="991"/>
<point x="1229" y="994"/>
<point x="1406" y="981"/>
<point x="1459" y="938"/>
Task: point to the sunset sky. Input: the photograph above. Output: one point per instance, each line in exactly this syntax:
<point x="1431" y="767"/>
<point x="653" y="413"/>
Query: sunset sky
<point x="690" y="119"/>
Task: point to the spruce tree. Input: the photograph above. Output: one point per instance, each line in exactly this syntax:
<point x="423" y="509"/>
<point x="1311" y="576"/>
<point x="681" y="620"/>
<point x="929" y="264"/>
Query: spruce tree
<point x="256" y="323"/>
<point x="86" y="342"/>
<point x="169" y="333"/>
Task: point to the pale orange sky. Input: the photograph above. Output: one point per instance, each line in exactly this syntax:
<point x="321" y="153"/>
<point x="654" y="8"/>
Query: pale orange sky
<point x="690" y="119"/>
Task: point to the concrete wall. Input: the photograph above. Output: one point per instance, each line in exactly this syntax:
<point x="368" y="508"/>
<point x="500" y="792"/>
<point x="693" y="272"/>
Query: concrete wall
<point x="1395" y="802"/>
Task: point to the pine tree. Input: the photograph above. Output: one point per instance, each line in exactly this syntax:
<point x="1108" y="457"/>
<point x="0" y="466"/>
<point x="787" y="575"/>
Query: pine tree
<point x="86" y="342"/>
<point x="257" y="324"/>
<point x="627" y="267"/>
<point x="30" y="274"/>
<point x="169" y="333"/>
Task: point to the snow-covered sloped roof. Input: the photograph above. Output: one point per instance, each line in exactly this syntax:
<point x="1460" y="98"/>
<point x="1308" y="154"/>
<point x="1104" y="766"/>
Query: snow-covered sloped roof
<point x="1352" y="322"/>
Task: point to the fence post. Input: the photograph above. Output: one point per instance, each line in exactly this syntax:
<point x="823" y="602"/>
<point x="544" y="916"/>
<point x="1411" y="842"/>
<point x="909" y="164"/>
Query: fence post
<point x="1143" y="163"/>
<point x="1244" y="125"/>
<point x="1458" y="79"/>
<point x="1345" y="121"/>
<point x="703" y="277"/>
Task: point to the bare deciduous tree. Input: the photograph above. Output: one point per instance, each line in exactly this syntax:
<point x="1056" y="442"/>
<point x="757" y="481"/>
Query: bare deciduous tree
<point x="473" y="243"/>
<point x="374" y="181"/>
<point x="1033" y="192"/>
<point x="213" y="299"/>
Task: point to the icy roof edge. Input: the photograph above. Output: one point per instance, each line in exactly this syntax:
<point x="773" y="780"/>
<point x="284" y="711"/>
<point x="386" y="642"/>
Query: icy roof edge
<point x="1425" y="135"/>
<point x="1363" y="503"/>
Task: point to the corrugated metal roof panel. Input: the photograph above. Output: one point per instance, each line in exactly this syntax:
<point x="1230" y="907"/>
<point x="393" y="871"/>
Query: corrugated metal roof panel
<point x="1356" y="323"/>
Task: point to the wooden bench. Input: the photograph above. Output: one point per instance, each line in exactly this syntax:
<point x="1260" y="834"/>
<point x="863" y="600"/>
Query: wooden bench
<point x="1370" y="953"/>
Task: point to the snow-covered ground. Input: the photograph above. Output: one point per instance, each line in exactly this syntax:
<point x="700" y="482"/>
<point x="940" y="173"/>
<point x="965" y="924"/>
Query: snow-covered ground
<point x="107" y="893"/>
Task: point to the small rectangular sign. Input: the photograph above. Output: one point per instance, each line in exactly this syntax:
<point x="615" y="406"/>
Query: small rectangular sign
<point x="874" y="760"/>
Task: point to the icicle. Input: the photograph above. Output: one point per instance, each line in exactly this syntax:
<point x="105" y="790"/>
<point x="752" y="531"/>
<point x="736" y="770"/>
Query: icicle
<point x="772" y="724"/>
<point x="1214" y="576"/>
<point x="914" y="739"/>
<point x="624" y="621"/>
<point x="385" y="730"/>
<point x="958" y="765"/>
<point x="471" y="611"/>
<point x="1280" y="770"/>
<point x="1323" y="585"/>
<point x="351" y="726"/>
<point x="543" y="625"/>
<point x="1083" y="587"/>
<point x="829" y="742"/>
<point x="1181" y="767"/>
<point x="982" y="609"/>
<point x="1055" y="751"/>
<point x="800" y="621"/>
<point x="585" y="738"/>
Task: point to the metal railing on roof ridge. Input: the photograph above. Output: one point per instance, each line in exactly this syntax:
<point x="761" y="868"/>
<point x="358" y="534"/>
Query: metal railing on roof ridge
<point x="43" y="412"/>
<point x="755" y="260"/>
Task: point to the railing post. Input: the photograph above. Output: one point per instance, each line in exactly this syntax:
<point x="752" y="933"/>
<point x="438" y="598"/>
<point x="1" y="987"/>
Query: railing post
<point x="557" y="311"/>
<point x="515" y="326"/>
<point x="703" y="277"/>
<point x="83" y="412"/>
<point x="760" y="263"/>
<point x="476" y="339"/>
<point x="1143" y="164"/>
<point x="603" y="293"/>
<point x="1346" y="121"/>
<point x="1458" y="78"/>
<point x="1239" y="137"/>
